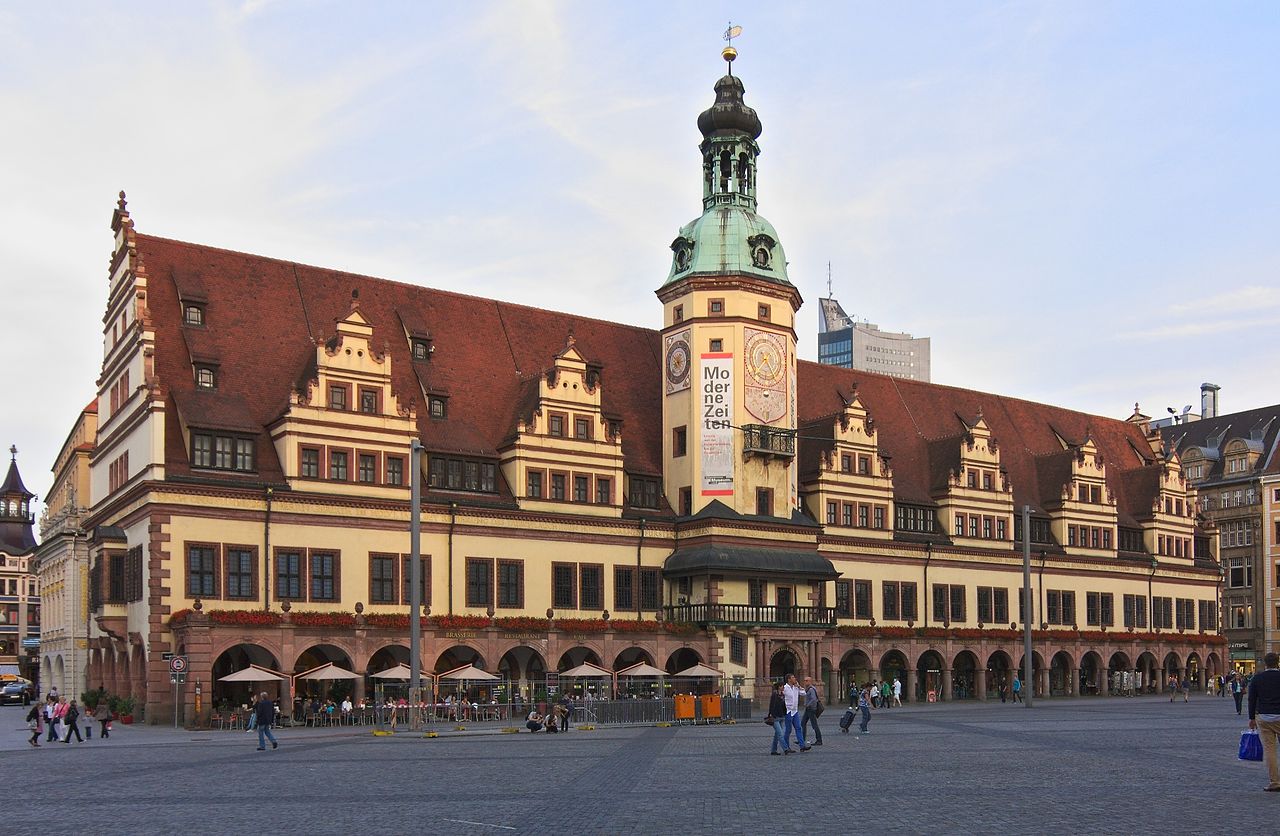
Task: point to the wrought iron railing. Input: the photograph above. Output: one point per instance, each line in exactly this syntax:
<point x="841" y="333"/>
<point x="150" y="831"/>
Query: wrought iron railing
<point x="752" y="614"/>
<point x="771" y="441"/>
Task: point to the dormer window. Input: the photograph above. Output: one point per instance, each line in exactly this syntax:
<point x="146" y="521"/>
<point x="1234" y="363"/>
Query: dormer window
<point x="338" y="397"/>
<point x="369" y="401"/>
<point x="193" y="315"/>
<point x="555" y="426"/>
<point x="436" y="406"/>
<point x="205" y="377"/>
<point x="421" y="350"/>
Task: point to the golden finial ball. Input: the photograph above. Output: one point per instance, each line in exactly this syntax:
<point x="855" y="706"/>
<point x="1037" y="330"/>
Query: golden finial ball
<point x="729" y="53"/>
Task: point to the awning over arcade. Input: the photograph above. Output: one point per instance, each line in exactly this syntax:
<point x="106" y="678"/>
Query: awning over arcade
<point x="700" y="560"/>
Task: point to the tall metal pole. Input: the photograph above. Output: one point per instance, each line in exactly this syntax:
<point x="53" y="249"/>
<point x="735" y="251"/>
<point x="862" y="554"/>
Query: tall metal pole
<point x="415" y="566"/>
<point x="1028" y="616"/>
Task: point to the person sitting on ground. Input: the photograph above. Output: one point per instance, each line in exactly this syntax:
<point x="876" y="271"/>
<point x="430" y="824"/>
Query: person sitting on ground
<point x="534" y="721"/>
<point x="549" y="723"/>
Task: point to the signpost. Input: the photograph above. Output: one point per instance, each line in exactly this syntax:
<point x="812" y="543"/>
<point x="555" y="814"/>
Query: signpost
<point x="178" y="676"/>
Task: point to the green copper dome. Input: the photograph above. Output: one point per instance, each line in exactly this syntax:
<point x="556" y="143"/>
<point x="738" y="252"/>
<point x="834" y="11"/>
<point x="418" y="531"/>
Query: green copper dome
<point x="730" y="238"/>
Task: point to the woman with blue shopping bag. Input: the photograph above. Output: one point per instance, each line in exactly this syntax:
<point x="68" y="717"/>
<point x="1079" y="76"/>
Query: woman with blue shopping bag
<point x="1264" y="716"/>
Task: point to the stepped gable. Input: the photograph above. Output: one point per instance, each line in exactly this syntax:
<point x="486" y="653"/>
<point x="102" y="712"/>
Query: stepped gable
<point x="270" y="314"/>
<point x="909" y="414"/>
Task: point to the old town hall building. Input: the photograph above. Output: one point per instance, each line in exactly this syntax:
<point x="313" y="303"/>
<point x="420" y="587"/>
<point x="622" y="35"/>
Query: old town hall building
<point x="603" y="492"/>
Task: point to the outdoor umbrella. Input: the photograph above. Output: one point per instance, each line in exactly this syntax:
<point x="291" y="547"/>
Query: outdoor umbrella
<point x="698" y="671"/>
<point x="253" y="673"/>
<point x="643" y="670"/>
<point x="469" y="673"/>
<point x="328" y="671"/>
<point x="587" y="671"/>
<point x="400" y="671"/>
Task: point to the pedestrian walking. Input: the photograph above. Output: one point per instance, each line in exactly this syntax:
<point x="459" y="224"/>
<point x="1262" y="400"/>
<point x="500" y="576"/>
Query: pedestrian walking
<point x="1172" y="685"/>
<point x="778" y="712"/>
<point x="1186" y="689"/>
<point x="1017" y="688"/>
<point x="69" y="720"/>
<point x="1264" y="714"/>
<point x="1237" y="693"/>
<point x="1002" y="688"/>
<point x="35" y="724"/>
<point x="864" y="704"/>
<point x="51" y="717"/>
<point x="897" y="692"/>
<point x="812" y="710"/>
<point x="265" y="710"/>
<point x="886" y="694"/>
<point x="103" y="715"/>
<point x="793" y="696"/>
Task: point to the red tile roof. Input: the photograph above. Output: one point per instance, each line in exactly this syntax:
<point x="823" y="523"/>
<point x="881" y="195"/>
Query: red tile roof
<point x="265" y="316"/>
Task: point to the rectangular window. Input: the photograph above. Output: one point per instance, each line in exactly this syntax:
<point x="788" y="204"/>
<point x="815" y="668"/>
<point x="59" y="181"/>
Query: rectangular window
<point x="862" y="599"/>
<point x="715" y="307"/>
<point x="555" y="426"/>
<point x="581" y="428"/>
<point x="1108" y="610"/>
<point x="624" y="588"/>
<point x="762" y="313"/>
<point x="679" y="442"/>
<point x="369" y="401"/>
<point x="288" y="575"/>
<point x="764" y="502"/>
<point x="889" y="601"/>
<point x="986" y="480"/>
<point x="368" y="467"/>
<point x="1000" y="605"/>
<point x="406" y="579"/>
<point x="202" y="572"/>
<point x="644" y="492"/>
<point x="986" y="527"/>
<point x="244" y="454"/>
<point x="957" y="604"/>
<point x="479" y="582"/>
<point x="533" y="484"/>
<point x="338" y="465"/>
<point x="437" y="407"/>
<point x="581" y="488"/>
<point x="382" y="578"/>
<point x="511" y="584"/>
<point x="846" y="463"/>
<point x="832" y="511"/>
<point x="1093" y="609"/>
<point x="864" y="465"/>
<point x="1135" y="611"/>
<point x="878" y="516"/>
<point x="395" y="470"/>
<point x="959" y="525"/>
<point x="844" y="603"/>
<point x="324" y="576"/>
<point x="738" y="649"/>
<point x="222" y="446"/>
<point x="677" y="313"/>
<point x="984" y="604"/>
<point x="846" y="515"/>
<point x="604" y="491"/>
<point x="471" y="476"/>
<point x="864" y="515"/>
<point x="650" y="588"/>
<point x="973" y="526"/>
<point x="338" y="397"/>
<point x="591" y="586"/>
<point x="1000" y="528"/>
<point x="909" y="608"/>
<point x="1053" y="606"/>
<point x="436" y="475"/>
<point x="1068" y="608"/>
<point x="564" y="586"/>
<point x="241" y="562"/>
<point x="756" y="590"/>
<point x="686" y="502"/>
<point x="557" y="486"/>
<point x="940" y="602"/>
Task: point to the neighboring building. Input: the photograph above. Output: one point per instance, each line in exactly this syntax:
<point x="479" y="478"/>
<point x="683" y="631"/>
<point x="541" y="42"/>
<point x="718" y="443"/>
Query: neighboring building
<point x="863" y="346"/>
<point x="61" y="562"/>
<point x="19" y="593"/>
<point x="1234" y="462"/>
<point x="1208" y="409"/>
<point x="601" y="492"/>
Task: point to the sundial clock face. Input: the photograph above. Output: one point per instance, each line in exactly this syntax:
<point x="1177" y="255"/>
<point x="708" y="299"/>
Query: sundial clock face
<point x="677" y="363"/>
<point x="765" y="360"/>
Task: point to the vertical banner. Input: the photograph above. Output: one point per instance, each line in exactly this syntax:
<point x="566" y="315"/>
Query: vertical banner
<point x="716" y="387"/>
<point x="795" y="423"/>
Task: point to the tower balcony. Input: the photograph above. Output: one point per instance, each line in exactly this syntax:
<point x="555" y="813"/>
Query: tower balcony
<point x="752" y="614"/>
<point x="763" y="440"/>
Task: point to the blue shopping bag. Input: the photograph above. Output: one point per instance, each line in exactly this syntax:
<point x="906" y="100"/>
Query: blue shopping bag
<point x="1250" y="746"/>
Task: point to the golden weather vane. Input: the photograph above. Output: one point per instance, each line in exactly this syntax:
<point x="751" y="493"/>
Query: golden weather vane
<point x="729" y="53"/>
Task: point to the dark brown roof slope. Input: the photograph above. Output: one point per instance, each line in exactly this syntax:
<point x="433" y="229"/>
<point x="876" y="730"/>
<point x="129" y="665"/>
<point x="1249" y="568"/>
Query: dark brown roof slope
<point x="268" y="316"/>
<point x="1262" y="423"/>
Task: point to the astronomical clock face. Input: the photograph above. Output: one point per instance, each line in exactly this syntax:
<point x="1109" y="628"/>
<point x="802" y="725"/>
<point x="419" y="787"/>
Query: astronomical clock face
<point x="766" y="366"/>
<point x="677" y="362"/>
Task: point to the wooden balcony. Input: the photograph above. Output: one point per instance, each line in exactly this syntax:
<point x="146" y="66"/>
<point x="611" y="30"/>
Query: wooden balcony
<point x="765" y="615"/>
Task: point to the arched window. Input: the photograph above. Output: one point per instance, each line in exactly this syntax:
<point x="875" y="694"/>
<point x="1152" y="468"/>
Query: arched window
<point x="744" y="172"/>
<point x="726" y="170"/>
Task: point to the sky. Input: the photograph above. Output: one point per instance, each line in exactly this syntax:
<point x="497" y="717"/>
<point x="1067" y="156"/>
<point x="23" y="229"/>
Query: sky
<point x="1077" y="201"/>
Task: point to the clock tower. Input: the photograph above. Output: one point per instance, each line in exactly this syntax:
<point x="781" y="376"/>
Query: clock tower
<point x="728" y="337"/>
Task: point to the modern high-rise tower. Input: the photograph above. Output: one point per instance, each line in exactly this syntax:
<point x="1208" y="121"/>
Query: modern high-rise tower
<point x="862" y="345"/>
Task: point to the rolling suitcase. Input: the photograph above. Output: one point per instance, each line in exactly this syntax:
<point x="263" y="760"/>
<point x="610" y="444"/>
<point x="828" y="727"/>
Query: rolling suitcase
<point x="847" y="720"/>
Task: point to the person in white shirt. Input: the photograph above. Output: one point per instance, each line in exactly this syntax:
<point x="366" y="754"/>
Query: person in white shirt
<point x="792" y="696"/>
<point x="346" y="710"/>
<point x="897" y="693"/>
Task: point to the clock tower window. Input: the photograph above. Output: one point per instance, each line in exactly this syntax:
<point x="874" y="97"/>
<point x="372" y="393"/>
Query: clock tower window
<point x="717" y="345"/>
<point x="762" y="313"/>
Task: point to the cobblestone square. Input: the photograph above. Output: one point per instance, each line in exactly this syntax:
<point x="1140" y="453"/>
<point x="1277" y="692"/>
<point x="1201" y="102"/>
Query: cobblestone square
<point x="1065" y="766"/>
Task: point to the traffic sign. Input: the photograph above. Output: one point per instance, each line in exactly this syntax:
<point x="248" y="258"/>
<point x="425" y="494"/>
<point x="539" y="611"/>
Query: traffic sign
<point x="177" y="679"/>
<point x="178" y="664"/>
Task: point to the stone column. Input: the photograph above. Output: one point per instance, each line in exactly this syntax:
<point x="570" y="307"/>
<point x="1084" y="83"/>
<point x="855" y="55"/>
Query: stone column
<point x="1200" y="682"/>
<point x="909" y="687"/>
<point x="1104" y="682"/>
<point x="980" y="683"/>
<point x="1073" y="684"/>
<point x="947" y="694"/>
<point x="1042" y="677"/>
